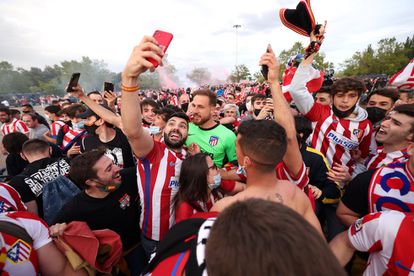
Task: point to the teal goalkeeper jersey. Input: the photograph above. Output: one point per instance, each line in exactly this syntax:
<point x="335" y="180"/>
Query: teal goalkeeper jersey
<point x="219" y="142"/>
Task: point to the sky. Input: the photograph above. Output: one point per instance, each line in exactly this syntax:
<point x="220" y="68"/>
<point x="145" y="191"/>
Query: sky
<point x="38" y="33"/>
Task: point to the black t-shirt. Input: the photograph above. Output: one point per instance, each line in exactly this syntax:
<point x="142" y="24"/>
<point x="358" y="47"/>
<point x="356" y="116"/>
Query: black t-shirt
<point x="29" y="184"/>
<point x="118" y="148"/>
<point x="15" y="164"/>
<point x="356" y="193"/>
<point x="119" y="211"/>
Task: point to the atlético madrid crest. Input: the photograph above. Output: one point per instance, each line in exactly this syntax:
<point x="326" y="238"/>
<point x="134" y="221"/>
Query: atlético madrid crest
<point x="357" y="132"/>
<point x="213" y="141"/>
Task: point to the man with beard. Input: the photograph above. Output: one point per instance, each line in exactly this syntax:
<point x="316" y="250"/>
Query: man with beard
<point x="159" y="164"/>
<point x="214" y="139"/>
<point x="10" y="124"/>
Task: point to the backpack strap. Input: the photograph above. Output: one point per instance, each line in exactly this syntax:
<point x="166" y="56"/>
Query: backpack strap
<point x="16" y="231"/>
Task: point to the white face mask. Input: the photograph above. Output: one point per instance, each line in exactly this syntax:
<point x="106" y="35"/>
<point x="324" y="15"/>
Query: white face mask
<point x="217" y="182"/>
<point x="154" y="130"/>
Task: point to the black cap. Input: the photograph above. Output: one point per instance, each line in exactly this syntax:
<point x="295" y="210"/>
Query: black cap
<point x="89" y="112"/>
<point x="300" y="20"/>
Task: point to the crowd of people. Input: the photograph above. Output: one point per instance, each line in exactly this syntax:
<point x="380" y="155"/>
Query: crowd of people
<point x="237" y="179"/>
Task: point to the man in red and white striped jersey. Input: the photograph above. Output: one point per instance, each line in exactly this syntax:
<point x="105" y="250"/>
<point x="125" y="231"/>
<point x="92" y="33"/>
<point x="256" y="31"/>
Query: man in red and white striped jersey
<point x="27" y="249"/>
<point x="395" y="133"/>
<point x="11" y="124"/>
<point x="51" y="112"/>
<point x="387" y="236"/>
<point x="159" y="163"/>
<point x="10" y="199"/>
<point x="340" y="129"/>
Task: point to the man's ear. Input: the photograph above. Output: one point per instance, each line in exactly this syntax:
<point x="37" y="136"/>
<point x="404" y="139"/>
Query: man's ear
<point x="90" y="183"/>
<point x="247" y="161"/>
<point x="23" y="156"/>
<point x="100" y="122"/>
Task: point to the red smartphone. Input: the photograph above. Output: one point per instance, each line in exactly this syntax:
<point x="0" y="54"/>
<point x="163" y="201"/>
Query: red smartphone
<point x="164" y="39"/>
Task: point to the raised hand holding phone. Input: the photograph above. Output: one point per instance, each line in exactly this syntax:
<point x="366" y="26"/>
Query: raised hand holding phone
<point x="164" y="40"/>
<point x="138" y="61"/>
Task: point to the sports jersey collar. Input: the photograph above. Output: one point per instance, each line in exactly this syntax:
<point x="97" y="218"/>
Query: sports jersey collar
<point x="409" y="172"/>
<point x="213" y="127"/>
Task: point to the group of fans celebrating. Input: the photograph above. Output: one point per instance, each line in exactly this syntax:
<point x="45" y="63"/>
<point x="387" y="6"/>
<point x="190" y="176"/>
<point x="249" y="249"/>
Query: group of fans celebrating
<point x="216" y="180"/>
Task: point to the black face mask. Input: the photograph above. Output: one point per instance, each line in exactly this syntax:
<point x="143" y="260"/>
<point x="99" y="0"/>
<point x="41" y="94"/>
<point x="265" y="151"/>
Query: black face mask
<point x="376" y="114"/>
<point x="184" y="107"/>
<point x="256" y="111"/>
<point x="91" y="129"/>
<point x="342" y="114"/>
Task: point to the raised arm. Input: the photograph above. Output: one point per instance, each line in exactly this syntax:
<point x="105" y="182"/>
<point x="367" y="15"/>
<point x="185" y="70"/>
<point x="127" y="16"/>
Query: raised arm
<point x="102" y="112"/>
<point x="305" y="72"/>
<point x="140" y="140"/>
<point x="282" y="114"/>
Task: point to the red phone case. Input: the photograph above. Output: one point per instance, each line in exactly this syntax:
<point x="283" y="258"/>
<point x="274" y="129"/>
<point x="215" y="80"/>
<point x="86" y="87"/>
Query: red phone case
<point x="164" y="39"/>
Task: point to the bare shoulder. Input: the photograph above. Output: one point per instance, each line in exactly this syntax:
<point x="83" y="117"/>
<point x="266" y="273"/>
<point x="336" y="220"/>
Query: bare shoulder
<point x="223" y="203"/>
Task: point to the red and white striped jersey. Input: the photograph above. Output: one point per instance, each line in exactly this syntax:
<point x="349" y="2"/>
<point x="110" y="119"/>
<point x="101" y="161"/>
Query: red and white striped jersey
<point x="334" y="137"/>
<point x="21" y="256"/>
<point x="388" y="237"/>
<point x="10" y="199"/>
<point x="70" y="135"/>
<point x="56" y="126"/>
<point x="382" y="159"/>
<point x="392" y="188"/>
<point x="158" y="174"/>
<point x="14" y="126"/>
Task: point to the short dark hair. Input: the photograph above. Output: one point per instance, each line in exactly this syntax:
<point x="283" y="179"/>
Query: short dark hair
<point x="165" y="113"/>
<point x="181" y="115"/>
<point x="5" y="110"/>
<point x="13" y="142"/>
<point x="28" y="105"/>
<point x="324" y="89"/>
<point x="14" y="111"/>
<point x="72" y="110"/>
<point x="212" y="97"/>
<point x="257" y="97"/>
<point x="348" y="84"/>
<point x="304" y="127"/>
<point x="193" y="180"/>
<point x="407" y="109"/>
<point x="264" y="141"/>
<point x="149" y="102"/>
<point x="34" y="146"/>
<point x="270" y="239"/>
<point x="385" y="92"/>
<point x="33" y="116"/>
<point x="94" y="92"/>
<point x="81" y="168"/>
<point x="231" y="94"/>
<point x="54" y="109"/>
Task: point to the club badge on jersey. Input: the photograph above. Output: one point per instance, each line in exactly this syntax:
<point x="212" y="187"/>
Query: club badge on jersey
<point x="213" y="141"/>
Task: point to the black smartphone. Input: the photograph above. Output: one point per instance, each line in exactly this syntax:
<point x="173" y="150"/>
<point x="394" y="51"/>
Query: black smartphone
<point x="73" y="82"/>
<point x="108" y="87"/>
<point x="265" y="68"/>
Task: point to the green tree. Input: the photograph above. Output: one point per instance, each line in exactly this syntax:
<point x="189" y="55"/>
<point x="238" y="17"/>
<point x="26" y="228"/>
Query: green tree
<point x="200" y="76"/>
<point x="388" y="58"/>
<point x="258" y="77"/>
<point x="240" y="72"/>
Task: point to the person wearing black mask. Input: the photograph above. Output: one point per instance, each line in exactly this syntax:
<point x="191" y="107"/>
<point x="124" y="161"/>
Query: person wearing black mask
<point x="260" y="109"/>
<point x="340" y="130"/>
<point x="102" y="134"/>
<point x="379" y="104"/>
